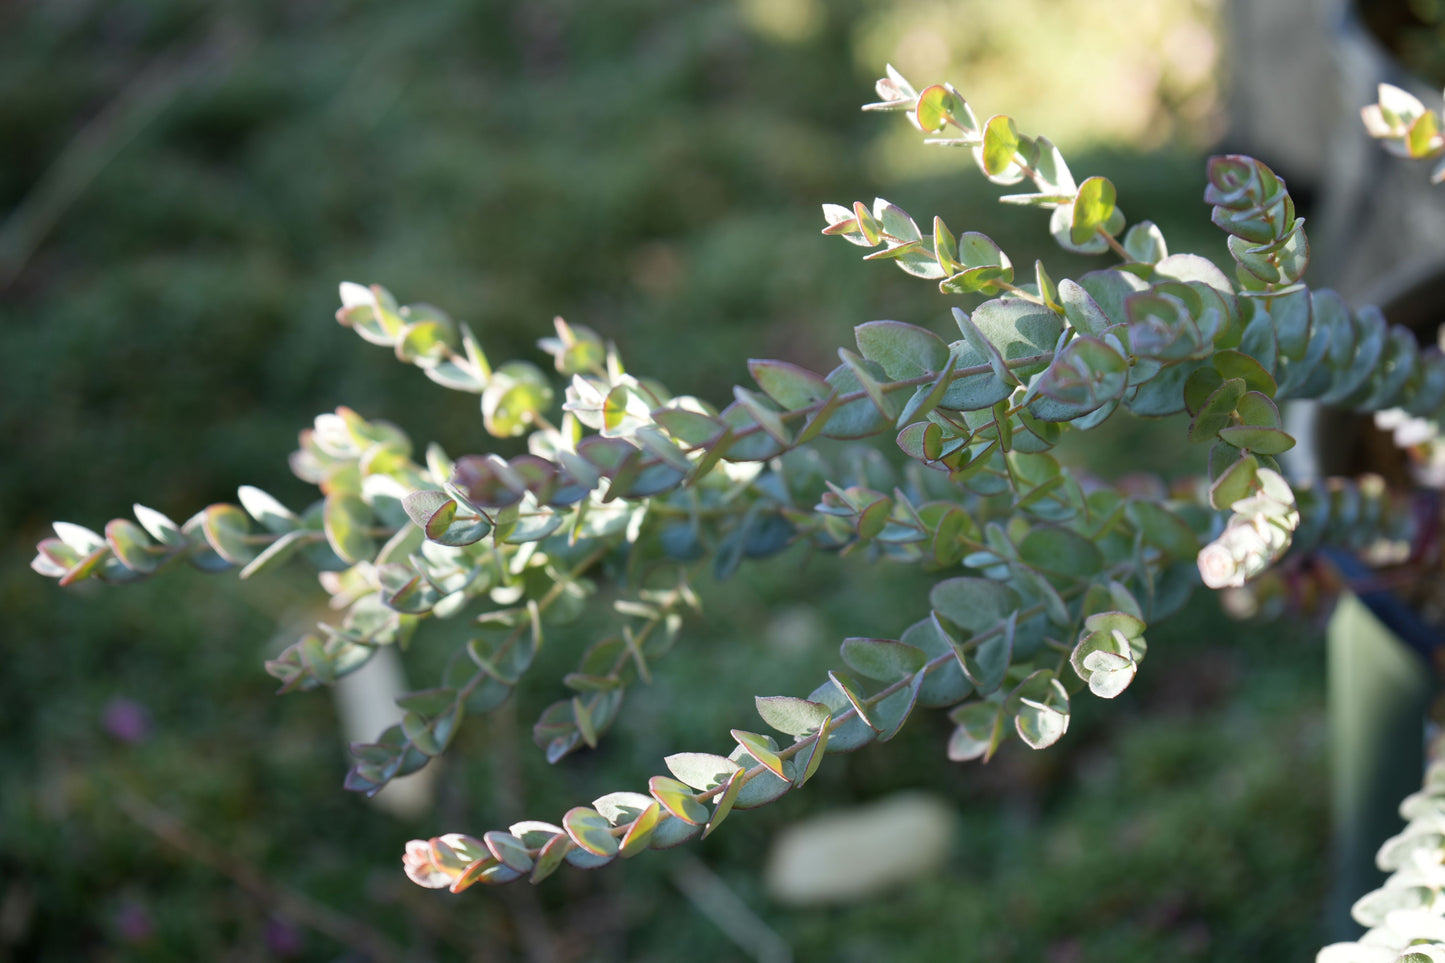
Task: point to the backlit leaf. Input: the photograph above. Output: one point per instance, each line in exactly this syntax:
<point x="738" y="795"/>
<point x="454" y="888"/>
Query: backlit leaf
<point x="1093" y="208"/>
<point x="701" y="770"/>
<point x="848" y="688"/>
<point x="762" y="749"/>
<point x="550" y="857"/>
<point x="725" y="802"/>
<point x="270" y="513"/>
<point x="996" y="154"/>
<point x="939" y="105"/>
<point x="158" y="526"/>
<point x="346" y="519"/>
<point x="811" y="758"/>
<point x="764" y="787"/>
<point x="129" y="543"/>
<point x="228" y="531"/>
<point x="678" y="799"/>
<point x="640" y="831"/>
<point x="590" y="830"/>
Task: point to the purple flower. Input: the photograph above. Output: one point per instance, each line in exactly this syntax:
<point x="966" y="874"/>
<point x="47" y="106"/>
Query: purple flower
<point x="126" y="720"/>
<point x="133" y="922"/>
<point x="283" y="940"/>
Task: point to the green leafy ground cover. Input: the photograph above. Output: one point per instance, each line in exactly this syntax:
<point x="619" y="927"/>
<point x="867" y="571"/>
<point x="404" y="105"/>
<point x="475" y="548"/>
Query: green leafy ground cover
<point x="165" y="295"/>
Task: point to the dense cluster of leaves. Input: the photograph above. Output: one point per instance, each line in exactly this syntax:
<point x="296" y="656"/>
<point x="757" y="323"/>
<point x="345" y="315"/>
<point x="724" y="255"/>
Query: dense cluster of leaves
<point x="1047" y="579"/>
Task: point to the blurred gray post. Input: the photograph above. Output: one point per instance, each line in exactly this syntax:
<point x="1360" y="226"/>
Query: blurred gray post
<point x="1299" y="72"/>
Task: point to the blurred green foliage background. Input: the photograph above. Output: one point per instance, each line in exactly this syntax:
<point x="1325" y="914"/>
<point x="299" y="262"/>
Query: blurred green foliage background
<point x="183" y="184"/>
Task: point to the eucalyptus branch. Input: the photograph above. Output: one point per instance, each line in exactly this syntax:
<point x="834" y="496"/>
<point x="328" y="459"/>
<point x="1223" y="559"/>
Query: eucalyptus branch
<point x="1047" y="579"/>
<point x="962" y="657"/>
<point x="1084" y="217"/>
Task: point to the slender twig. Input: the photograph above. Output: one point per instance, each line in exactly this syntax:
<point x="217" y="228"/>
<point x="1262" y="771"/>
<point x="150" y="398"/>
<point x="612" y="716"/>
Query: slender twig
<point x="357" y="934"/>
<point x="716" y="900"/>
<point x="1115" y="246"/>
<point x="1019" y="292"/>
<point x="99" y="142"/>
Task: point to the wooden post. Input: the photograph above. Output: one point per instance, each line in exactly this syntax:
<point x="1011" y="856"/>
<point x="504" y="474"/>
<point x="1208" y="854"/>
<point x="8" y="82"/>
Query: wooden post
<point x="1379" y="690"/>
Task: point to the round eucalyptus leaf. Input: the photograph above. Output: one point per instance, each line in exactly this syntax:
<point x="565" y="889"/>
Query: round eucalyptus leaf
<point x="1061" y="550"/>
<point x="1040" y="706"/>
<point x="764" y="787"/>
<point x="1093" y="209"/>
<point x="270" y="513"/>
<point x="1017" y="329"/>
<point x="509" y="851"/>
<point x="701" y="770"/>
<point x="884" y="660"/>
<point x="795" y="717"/>
<point x="130" y="544"/>
<point x="516" y="395"/>
<point x="591" y="831"/>
<point x="621" y="808"/>
<point x="678" y="799"/>
<point x="976" y="604"/>
<point x="671" y="832"/>
<point x="347" y="519"/>
<point x="228" y="531"/>
<point x="787" y="384"/>
<point x="1263" y="441"/>
<point x="902" y="350"/>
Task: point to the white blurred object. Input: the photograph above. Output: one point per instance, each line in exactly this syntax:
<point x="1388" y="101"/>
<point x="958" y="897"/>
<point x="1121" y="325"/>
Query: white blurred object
<point x="850" y="855"/>
<point x="366" y="704"/>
